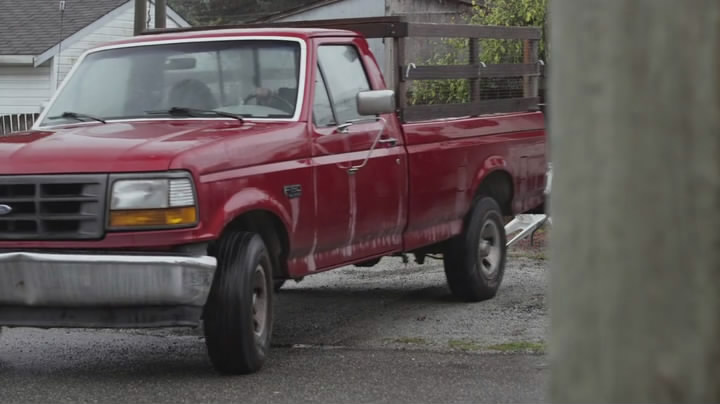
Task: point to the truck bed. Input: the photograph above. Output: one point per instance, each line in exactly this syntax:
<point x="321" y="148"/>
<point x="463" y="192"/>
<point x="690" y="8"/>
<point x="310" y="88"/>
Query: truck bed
<point x="447" y="159"/>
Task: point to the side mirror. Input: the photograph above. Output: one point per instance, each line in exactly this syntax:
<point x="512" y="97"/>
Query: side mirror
<point x="376" y="102"/>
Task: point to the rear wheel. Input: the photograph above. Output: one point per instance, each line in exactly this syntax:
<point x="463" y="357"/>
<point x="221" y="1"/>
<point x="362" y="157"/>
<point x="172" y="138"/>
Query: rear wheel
<point x="239" y="312"/>
<point x="475" y="260"/>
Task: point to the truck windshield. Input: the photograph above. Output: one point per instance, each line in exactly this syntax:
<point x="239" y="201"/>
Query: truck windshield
<point x="248" y="78"/>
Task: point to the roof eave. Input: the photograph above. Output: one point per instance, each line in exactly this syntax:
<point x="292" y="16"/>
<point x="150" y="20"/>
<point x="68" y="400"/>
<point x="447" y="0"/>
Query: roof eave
<point x="22" y="60"/>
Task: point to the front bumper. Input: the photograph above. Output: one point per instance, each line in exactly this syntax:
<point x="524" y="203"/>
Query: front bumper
<point x="62" y="285"/>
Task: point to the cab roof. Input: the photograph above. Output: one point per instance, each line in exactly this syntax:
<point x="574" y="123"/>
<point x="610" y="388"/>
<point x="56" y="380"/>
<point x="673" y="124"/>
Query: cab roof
<point x="298" y="33"/>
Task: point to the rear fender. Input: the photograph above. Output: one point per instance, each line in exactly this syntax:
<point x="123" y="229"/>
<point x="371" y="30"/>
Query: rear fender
<point x="490" y="165"/>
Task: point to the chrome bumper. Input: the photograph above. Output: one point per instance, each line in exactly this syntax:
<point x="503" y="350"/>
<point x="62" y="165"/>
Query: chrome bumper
<point x="85" y="281"/>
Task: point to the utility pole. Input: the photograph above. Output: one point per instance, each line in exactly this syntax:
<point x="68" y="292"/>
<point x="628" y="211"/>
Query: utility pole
<point x="58" y="61"/>
<point x="635" y="133"/>
<point x="140" y="16"/>
<point x="160" y="13"/>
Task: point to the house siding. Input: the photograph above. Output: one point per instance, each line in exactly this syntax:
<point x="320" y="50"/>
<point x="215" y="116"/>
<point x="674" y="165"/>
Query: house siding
<point x="118" y="28"/>
<point x="418" y="50"/>
<point x="348" y="9"/>
<point x="342" y="9"/>
<point x="23" y="89"/>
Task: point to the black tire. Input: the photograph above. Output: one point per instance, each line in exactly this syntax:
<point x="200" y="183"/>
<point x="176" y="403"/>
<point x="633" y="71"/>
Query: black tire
<point x="236" y="341"/>
<point x="469" y="276"/>
<point x="278" y="284"/>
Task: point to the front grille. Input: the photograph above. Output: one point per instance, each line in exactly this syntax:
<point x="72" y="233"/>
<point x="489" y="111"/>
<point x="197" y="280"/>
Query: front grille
<point x="52" y="207"/>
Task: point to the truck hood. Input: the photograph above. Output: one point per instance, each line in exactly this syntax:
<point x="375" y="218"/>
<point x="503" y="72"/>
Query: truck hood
<point x="108" y="148"/>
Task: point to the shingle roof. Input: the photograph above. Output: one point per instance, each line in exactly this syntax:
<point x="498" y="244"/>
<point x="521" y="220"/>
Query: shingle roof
<point x="30" y="27"/>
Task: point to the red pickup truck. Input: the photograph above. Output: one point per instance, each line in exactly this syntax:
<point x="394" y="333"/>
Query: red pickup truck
<point x="176" y="178"/>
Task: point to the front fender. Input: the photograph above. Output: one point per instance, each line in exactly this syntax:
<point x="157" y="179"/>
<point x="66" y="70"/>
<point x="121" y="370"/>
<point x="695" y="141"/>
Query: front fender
<point x="247" y="200"/>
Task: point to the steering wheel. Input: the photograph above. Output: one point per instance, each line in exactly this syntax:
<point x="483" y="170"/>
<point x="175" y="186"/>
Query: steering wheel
<point x="273" y="96"/>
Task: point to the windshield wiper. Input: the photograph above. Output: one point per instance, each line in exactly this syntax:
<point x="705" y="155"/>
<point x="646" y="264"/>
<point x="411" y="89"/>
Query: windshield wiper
<point x="192" y="112"/>
<point x="78" y="117"/>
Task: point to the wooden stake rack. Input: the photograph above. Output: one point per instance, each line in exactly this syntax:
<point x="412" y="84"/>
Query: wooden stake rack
<point x="398" y="29"/>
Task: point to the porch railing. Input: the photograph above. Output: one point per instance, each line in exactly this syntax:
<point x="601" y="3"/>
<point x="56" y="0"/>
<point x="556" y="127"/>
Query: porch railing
<point x="16" y="122"/>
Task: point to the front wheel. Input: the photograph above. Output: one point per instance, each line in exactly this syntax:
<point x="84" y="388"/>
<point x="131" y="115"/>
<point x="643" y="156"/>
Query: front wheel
<point x="475" y="260"/>
<point x="239" y="312"/>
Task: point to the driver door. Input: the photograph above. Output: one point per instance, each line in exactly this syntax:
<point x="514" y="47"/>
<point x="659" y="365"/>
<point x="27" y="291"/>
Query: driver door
<point x="360" y="213"/>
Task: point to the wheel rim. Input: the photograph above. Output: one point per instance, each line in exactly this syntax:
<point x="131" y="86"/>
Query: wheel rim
<point x="489" y="248"/>
<point x="260" y="301"/>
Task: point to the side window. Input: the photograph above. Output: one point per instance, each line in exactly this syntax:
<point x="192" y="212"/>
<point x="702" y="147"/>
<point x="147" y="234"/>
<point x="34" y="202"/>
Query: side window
<point x="322" y="111"/>
<point x="345" y="77"/>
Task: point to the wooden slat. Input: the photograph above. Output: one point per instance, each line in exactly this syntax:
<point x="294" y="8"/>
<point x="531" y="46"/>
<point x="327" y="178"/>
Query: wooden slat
<point x="441" y="72"/>
<point x="472" y="31"/>
<point x="428" y="112"/>
<point x="526" y="59"/>
<point x="375" y="27"/>
<point x="534" y="80"/>
<point x="401" y="57"/>
<point x="510" y="70"/>
<point x="474" y="59"/>
<point x="451" y="72"/>
<point x="384" y="27"/>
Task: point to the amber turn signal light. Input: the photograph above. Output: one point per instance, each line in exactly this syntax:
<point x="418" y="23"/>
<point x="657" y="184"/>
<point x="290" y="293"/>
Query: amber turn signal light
<point x="153" y="217"/>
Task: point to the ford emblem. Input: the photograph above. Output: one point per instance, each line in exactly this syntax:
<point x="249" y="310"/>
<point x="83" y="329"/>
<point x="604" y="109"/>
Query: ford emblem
<point x="5" y="210"/>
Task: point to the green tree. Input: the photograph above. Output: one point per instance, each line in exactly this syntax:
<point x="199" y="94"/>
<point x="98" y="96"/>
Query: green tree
<point x="492" y="51"/>
<point x="515" y="13"/>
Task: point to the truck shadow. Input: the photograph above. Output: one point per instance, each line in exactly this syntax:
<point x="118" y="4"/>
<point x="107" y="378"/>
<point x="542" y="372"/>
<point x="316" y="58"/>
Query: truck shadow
<point x="312" y="316"/>
<point x="344" y="315"/>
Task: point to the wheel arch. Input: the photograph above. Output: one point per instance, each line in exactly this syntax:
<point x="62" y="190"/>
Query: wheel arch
<point x="271" y="228"/>
<point x="497" y="184"/>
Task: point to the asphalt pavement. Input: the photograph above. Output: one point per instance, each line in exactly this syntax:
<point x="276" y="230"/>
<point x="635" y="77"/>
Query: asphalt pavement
<point x="386" y="334"/>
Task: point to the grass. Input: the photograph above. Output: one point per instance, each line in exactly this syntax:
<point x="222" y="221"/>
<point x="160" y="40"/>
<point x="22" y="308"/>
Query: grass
<point x="408" y="340"/>
<point x="520" y="346"/>
<point x="509" y="347"/>
<point x="464" y="345"/>
<point x="533" y="255"/>
<point x="472" y="346"/>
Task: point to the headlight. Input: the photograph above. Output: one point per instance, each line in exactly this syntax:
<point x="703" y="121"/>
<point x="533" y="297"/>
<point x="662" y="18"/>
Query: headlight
<point x="153" y="203"/>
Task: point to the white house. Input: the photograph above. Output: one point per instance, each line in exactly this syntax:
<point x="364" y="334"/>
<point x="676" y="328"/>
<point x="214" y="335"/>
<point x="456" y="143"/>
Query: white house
<point x="39" y="43"/>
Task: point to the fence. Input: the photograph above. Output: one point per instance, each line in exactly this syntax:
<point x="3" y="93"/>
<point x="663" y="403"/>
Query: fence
<point x="16" y="122"/>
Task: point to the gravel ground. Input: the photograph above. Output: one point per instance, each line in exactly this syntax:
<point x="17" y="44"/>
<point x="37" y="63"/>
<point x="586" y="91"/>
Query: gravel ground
<point x="392" y="333"/>
<point x="77" y="366"/>
<point x="408" y="306"/>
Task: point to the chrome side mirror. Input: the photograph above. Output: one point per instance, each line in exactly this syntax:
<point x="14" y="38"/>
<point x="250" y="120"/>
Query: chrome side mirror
<point x="376" y="102"/>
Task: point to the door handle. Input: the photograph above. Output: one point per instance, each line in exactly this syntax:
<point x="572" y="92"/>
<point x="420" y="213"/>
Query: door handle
<point x="389" y="141"/>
